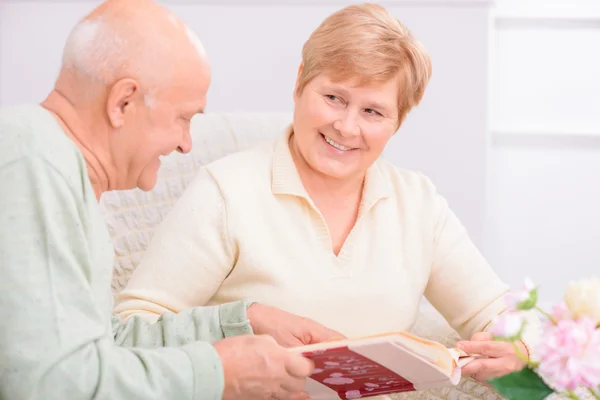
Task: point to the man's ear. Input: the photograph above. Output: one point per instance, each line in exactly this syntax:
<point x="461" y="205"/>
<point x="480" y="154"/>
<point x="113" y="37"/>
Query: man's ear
<point x="300" y="69"/>
<point x="122" y="98"/>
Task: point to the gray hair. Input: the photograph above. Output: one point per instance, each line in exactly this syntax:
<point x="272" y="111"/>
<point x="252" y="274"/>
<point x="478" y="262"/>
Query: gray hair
<point x="100" y="51"/>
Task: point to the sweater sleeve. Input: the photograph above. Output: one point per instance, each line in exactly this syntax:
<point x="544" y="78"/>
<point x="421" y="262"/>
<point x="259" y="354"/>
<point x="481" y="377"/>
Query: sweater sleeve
<point x="188" y="258"/>
<point x="462" y="286"/>
<point x="56" y="340"/>
<point x="172" y="330"/>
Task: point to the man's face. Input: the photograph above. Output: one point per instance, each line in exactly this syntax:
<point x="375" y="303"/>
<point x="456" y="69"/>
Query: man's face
<point x="162" y="125"/>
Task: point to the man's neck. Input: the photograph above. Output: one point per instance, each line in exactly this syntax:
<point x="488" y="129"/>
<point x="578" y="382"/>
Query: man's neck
<point x="89" y="141"/>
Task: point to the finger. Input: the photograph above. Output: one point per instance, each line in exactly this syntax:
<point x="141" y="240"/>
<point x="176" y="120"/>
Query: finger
<point x="270" y="341"/>
<point x="487" y="348"/>
<point x="290" y="395"/>
<point x="477" y="337"/>
<point x="291" y="341"/>
<point x="482" y="337"/>
<point x="283" y="394"/>
<point x="299" y="366"/>
<point x="300" y="396"/>
<point x="472" y="368"/>
<point x="484" y="369"/>
<point x="268" y="338"/>
<point x="293" y="384"/>
<point x="326" y="335"/>
<point x="317" y="333"/>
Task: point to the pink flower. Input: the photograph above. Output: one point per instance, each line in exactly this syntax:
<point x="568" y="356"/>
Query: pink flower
<point x="516" y="299"/>
<point x="560" y="311"/>
<point x="508" y="325"/>
<point x="569" y="354"/>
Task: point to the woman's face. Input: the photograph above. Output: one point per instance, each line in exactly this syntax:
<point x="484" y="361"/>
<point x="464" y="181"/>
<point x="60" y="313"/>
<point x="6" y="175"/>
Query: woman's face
<point x="341" y="128"/>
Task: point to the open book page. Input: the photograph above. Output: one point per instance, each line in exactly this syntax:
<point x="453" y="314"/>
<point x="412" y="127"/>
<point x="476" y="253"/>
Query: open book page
<point x="383" y="364"/>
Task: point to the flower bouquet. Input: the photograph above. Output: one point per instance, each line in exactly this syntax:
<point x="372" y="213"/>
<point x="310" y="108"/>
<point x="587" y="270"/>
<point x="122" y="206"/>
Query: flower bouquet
<point x="566" y="358"/>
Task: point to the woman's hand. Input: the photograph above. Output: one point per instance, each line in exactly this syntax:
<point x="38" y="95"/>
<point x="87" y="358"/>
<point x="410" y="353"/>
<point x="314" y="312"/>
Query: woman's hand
<point x="498" y="358"/>
<point x="289" y="330"/>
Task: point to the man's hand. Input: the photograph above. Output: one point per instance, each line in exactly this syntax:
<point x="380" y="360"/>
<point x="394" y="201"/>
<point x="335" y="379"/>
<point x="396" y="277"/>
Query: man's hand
<point x="287" y="329"/>
<point x="501" y="358"/>
<point x="256" y="367"/>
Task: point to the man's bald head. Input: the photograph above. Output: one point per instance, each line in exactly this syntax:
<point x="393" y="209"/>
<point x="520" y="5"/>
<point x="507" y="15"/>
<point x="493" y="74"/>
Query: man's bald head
<point x="135" y="75"/>
<point x="136" y="39"/>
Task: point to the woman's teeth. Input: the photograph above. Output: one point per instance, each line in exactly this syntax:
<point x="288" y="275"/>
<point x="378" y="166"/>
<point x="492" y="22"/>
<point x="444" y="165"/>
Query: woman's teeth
<point x="336" y="145"/>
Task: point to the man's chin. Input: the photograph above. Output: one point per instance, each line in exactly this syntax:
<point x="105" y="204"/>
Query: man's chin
<point x="147" y="183"/>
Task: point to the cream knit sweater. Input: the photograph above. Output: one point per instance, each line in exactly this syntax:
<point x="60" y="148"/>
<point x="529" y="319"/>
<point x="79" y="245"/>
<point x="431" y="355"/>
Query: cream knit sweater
<point x="246" y="228"/>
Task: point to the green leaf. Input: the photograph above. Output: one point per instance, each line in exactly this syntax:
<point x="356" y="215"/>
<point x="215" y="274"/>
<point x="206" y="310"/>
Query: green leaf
<point x="522" y="385"/>
<point x="530" y="302"/>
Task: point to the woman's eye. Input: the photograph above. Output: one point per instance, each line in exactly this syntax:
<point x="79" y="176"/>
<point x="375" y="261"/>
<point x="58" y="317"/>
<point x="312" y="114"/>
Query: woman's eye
<point x="372" y="112"/>
<point x="331" y="97"/>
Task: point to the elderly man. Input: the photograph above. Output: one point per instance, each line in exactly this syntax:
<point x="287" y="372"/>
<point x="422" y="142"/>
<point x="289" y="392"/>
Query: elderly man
<point x="133" y="76"/>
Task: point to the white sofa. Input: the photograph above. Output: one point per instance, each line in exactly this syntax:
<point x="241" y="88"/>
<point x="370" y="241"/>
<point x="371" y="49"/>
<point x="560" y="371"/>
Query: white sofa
<point x="133" y="215"/>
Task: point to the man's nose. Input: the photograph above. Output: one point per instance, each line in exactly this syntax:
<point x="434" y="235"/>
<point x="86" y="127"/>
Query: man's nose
<point x="186" y="144"/>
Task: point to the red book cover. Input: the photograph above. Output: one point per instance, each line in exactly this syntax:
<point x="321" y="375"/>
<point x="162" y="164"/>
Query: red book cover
<point x="374" y="366"/>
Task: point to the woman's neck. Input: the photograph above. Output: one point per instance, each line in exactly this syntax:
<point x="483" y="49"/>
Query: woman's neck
<point x="322" y="188"/>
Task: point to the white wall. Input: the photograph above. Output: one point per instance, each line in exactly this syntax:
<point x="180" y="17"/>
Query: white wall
<point x="254" y="47"/>
<point x="544" y="183"/>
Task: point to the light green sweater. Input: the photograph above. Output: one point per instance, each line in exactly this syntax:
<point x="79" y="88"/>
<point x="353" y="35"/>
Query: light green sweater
<point x="58" y="339"/>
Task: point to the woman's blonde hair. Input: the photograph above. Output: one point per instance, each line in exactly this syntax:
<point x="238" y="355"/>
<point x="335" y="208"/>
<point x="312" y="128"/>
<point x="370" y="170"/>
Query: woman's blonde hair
<point x="366" y="42"/>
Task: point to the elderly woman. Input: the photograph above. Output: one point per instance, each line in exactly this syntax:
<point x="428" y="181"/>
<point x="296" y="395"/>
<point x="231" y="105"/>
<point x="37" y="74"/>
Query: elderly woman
<point x="317" y="223"/>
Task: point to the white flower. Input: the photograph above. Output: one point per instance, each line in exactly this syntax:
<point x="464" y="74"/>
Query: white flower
<point x="523" y="298"/>
<point x="528" y="284"/>
<point x="583" y="298"/>
<point x="508" y="325"/>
